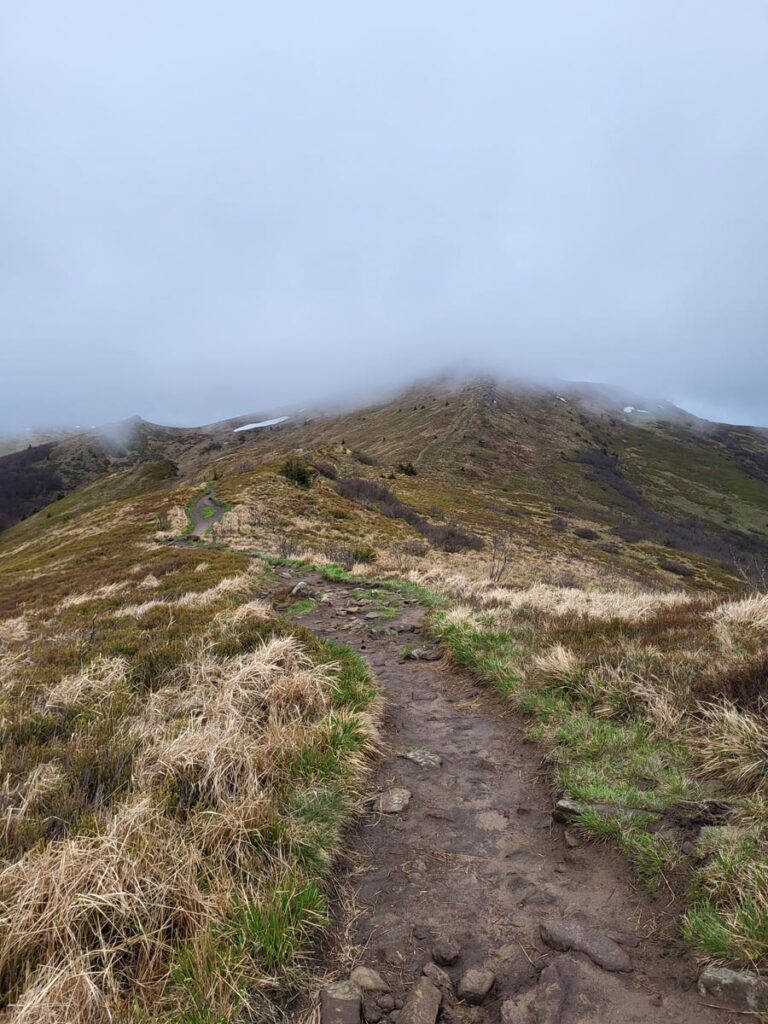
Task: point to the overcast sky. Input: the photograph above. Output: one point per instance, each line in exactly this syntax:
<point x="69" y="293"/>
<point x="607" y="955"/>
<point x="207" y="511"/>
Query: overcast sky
<point x="209" y="209"/>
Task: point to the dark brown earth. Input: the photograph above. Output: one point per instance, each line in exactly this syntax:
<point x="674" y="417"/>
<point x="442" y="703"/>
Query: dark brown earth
<point x="476" y="856"/>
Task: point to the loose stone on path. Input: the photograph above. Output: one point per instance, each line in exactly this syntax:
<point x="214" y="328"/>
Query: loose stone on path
<point x="392" y="801"/>
<point x="421" y="1005"/>
<point x="340" y="1003"/>
<point x="423" y="758"/>
<point x="575" y="934"/>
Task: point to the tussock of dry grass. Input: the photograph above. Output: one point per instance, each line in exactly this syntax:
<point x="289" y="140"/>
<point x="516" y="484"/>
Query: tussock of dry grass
<point x="740" y="624"/>
<point x="733" y="745"/>
<point x="123" y="894"/>
<point x="18" y="801"/>
<point x="100" y="594"/>
<point x="137" y="611"/>
<point x="14" y="631"/>
<point x="559" y="667"/>
<point x="93" y="923"/>
<point x="625" y="605"/>
<point x="97" y="682"/>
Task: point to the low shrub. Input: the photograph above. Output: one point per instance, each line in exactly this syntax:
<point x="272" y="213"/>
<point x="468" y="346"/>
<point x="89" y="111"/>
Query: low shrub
<point x="377" y="496"/>
<point x="327" y="470"/>
<point x="297" y="470"/>
<point x="678" y="568"/>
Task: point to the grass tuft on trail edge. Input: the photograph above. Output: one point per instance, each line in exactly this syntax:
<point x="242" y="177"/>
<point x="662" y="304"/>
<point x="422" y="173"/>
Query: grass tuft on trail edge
<point x="642" y="703"/>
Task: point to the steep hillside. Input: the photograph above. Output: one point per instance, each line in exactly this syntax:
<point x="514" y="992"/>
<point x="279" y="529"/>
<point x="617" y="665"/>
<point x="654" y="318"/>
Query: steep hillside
<point x="581" y="479"/>
<point x="570" y="473"/>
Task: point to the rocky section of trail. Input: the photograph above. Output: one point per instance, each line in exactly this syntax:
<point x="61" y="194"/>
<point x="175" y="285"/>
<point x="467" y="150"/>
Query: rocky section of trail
<point x="474" y="907"/>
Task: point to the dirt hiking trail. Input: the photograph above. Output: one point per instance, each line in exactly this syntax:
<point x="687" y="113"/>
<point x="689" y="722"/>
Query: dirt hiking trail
<point x="474" y="860"/>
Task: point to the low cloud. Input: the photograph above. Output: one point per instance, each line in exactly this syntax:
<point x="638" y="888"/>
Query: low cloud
<point x="213" y="211"/>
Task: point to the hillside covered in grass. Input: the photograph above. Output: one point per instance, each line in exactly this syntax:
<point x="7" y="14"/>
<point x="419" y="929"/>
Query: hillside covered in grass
<point x="178" y="760"/>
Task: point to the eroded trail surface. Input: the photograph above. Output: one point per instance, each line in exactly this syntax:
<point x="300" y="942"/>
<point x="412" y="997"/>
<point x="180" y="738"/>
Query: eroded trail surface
<point x="475" y="860"/>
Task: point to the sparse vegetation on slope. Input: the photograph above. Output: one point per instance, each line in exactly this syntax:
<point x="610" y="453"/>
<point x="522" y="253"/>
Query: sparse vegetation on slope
<point x="177" y="764"/>
<point x="633" y="696"/>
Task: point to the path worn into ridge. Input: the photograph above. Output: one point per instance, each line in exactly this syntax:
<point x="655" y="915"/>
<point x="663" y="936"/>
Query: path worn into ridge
<point x="476" y="856"/>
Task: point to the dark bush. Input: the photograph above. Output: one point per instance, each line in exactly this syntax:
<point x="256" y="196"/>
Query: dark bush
<point x="586" y="534"/>
<point x="678" y="568"/>
<point x="558" y="524"/>
<point x="375" y="495"/>
<point x="416" y="548"/>
<point x="297" y="471"/>
<point x="327" y="470"/>
<point x="629" y="534"/>
<point x="363" y="459"/>
<point x="406" y="468"/>
<point x="347" y="556"/>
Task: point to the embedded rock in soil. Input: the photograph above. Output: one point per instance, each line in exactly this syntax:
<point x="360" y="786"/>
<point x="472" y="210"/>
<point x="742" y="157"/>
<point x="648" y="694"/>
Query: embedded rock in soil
<point x="742" y="990"/>
<point x="446" y="951"/>
<point x="574" y="934"/>
<point x="392" y="801"/>
<point x="566" y="993"/>
<point x="372" y="1012"/>
<point x="513" y="1012"/>
<point x="566" y="809"/>
<point x="369" y="980"/>
<point x="475" y="985"/>
<point x="438" y="977"/>
<point x="424" y="654"/>
<point x="422" y="1004"/>
<point x="423" y="758"/>
<point x="340" y="1003"/>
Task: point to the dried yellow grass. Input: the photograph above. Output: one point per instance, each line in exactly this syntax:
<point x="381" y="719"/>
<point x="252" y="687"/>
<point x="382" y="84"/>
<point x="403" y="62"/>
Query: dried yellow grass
<point x="123" y="893"/>
<point x="14" y="631"/>
<point x="19" y="801"/>
<point x="737" y="623"/>
<point x="228" y="587"/>
<point x="70" y="992"/>
<point x="557" y="667"/>
<point x="137" y="611"/>
<point x="100" y="594"/>
<point x="97" y="682"/>
<point x="733" y="745"/>
<point x="626" y="605"/>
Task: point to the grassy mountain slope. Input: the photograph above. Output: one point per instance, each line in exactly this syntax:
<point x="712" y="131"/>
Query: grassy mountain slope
<point x="586" y="558"/>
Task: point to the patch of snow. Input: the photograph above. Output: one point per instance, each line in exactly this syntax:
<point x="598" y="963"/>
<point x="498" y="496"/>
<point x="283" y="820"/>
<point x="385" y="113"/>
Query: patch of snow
<point x="262" y="423"/>
<point x="646" y="411"/>
<point x="561" y="399"/>
<point x="629" y="408"/>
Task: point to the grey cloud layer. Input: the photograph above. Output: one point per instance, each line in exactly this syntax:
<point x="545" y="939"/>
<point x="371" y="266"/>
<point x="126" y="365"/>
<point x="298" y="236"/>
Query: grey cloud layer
<point x="213" y="209"/>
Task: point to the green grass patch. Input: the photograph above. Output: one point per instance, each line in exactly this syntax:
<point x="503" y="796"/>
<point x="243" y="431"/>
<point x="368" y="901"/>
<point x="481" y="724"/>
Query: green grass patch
<point x="650" y="855"/>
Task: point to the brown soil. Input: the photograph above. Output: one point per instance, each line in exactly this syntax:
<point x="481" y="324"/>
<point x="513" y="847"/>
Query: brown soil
<point x="476" y="855"/>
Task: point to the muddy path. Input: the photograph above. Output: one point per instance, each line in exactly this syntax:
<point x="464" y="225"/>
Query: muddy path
<point x="475" y="858"/>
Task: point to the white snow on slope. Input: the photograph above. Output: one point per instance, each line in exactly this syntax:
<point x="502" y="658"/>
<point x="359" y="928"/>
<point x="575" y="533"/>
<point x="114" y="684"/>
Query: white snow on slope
<point x="262" y="423"/>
